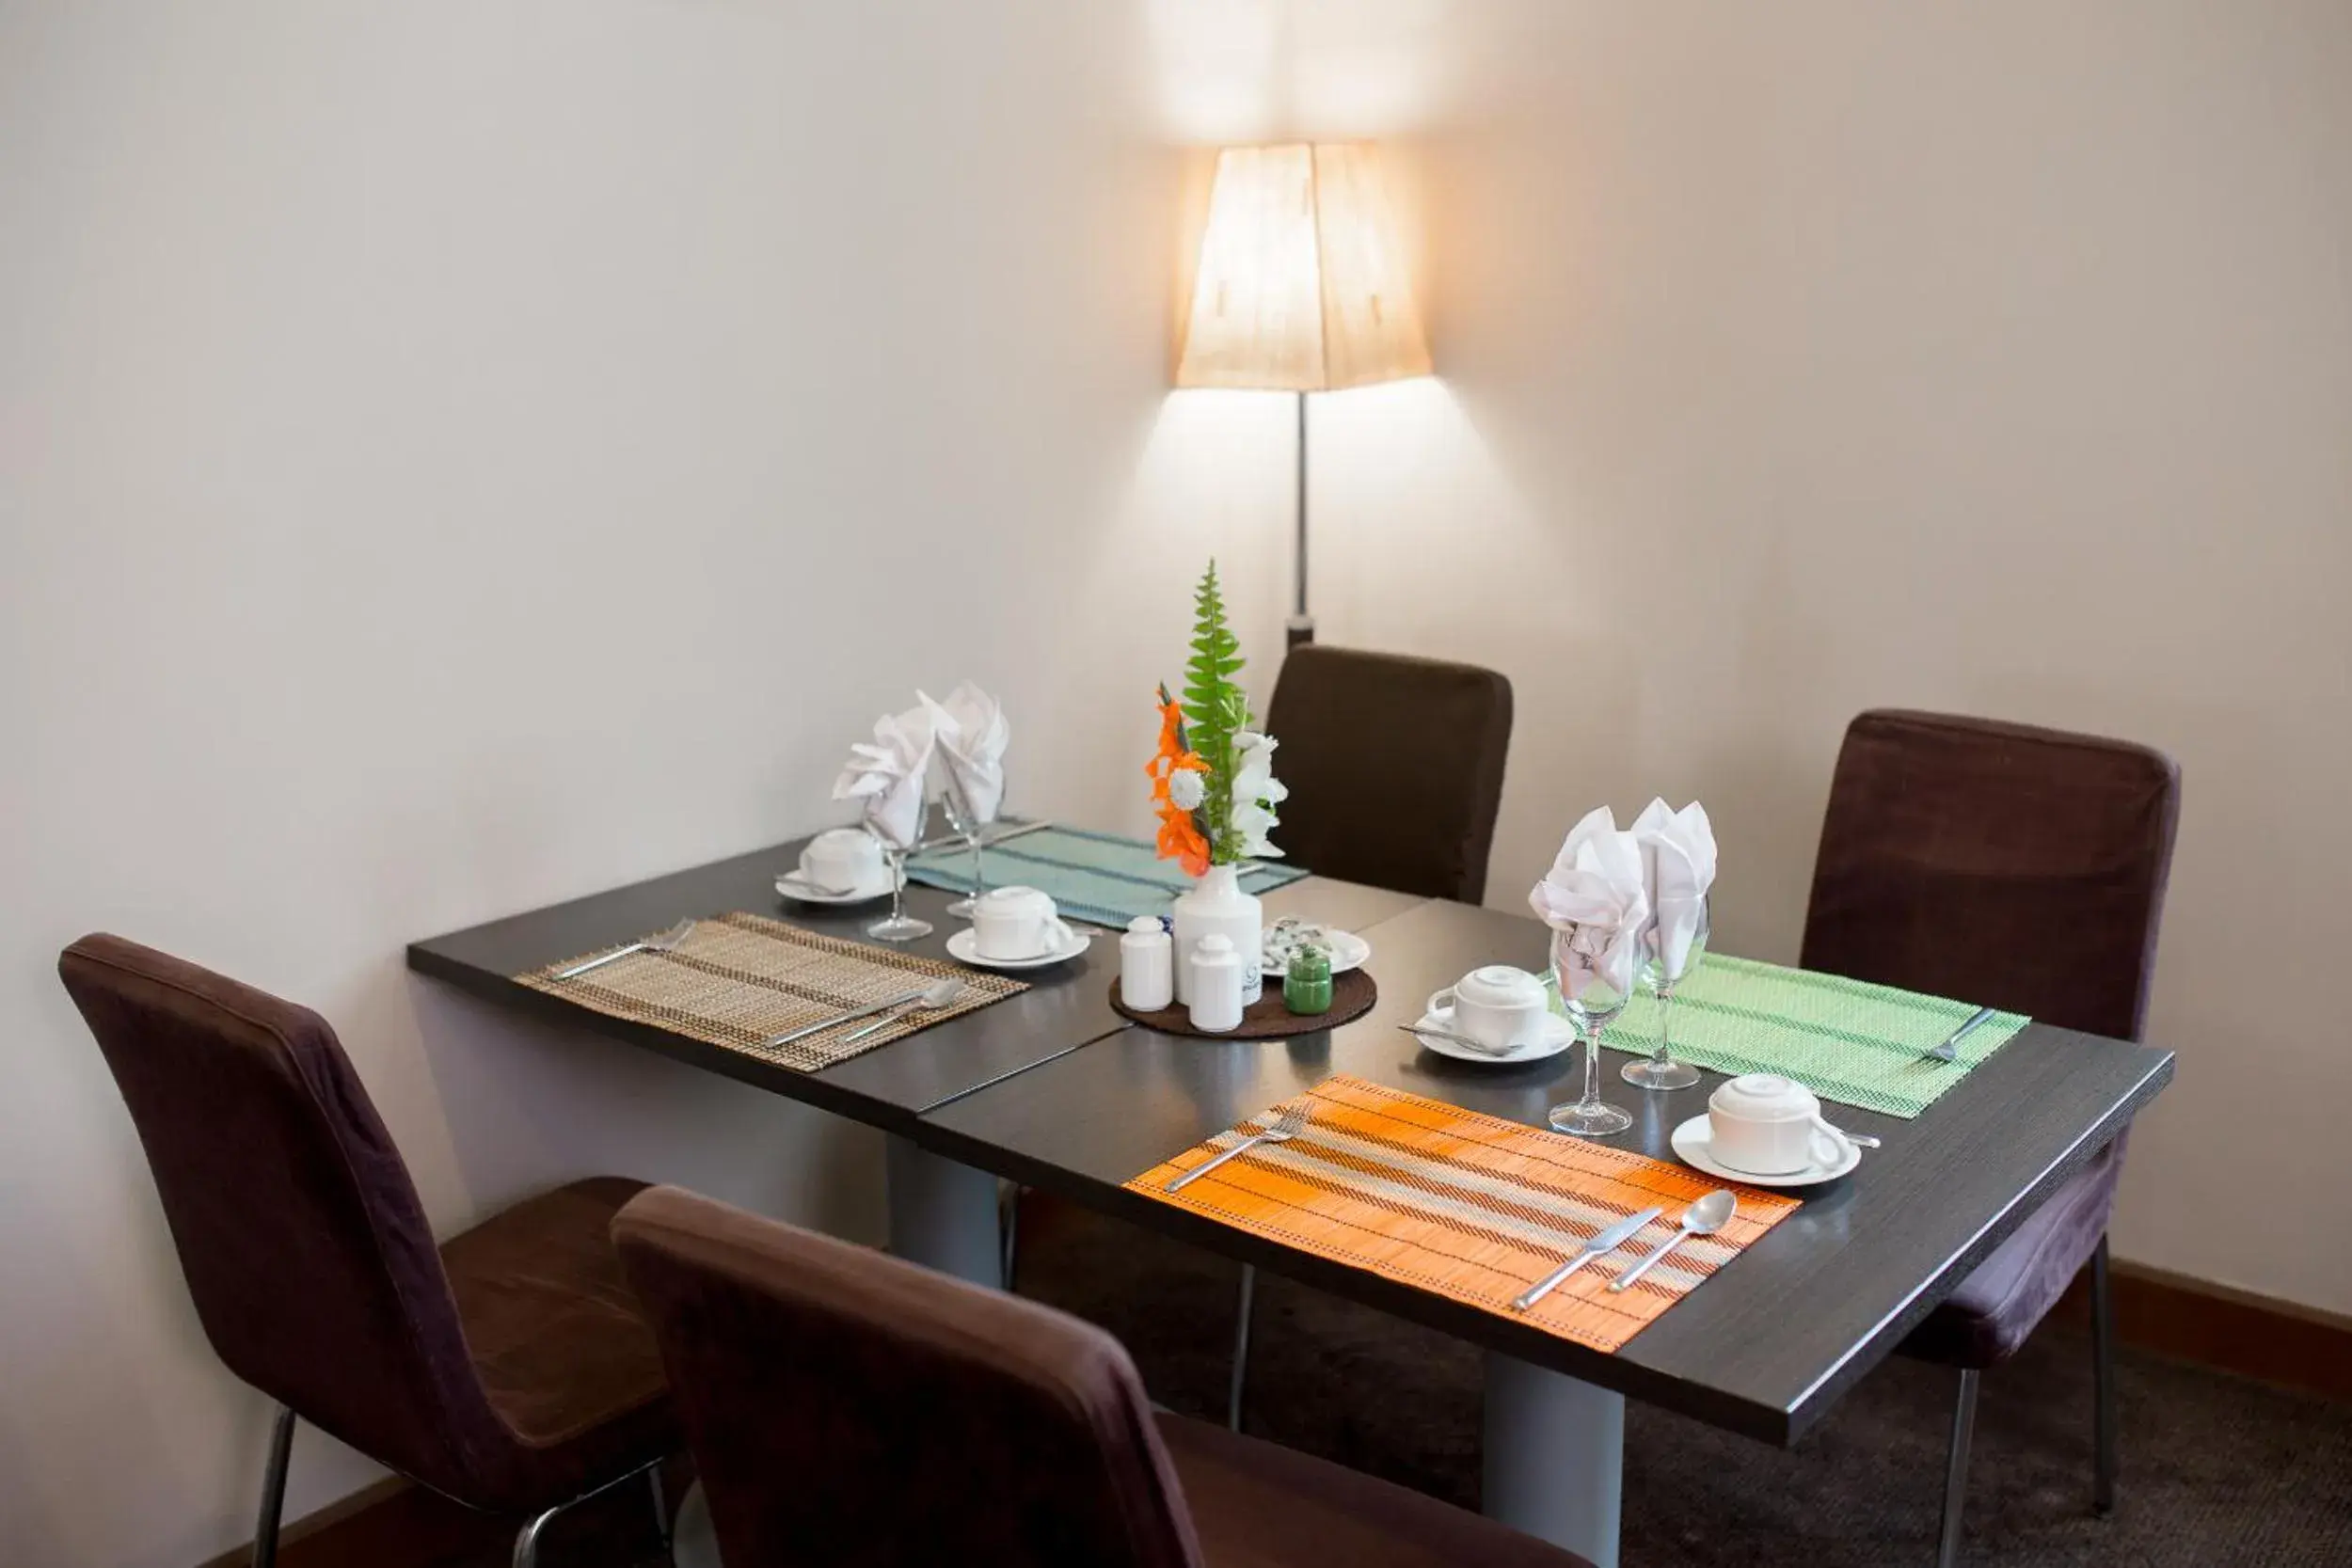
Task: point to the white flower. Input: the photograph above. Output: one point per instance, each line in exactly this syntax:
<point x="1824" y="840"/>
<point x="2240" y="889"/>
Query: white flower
<point x="1186" y="789"/>
<point x="1256" y="791"/>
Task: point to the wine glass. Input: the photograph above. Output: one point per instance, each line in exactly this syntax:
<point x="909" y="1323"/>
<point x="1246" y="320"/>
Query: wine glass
<point x="967" y="825"/>
<point x="1592" y="1012"/>
<point x="899" y="925"/>
<point x="1658" y="1069"/>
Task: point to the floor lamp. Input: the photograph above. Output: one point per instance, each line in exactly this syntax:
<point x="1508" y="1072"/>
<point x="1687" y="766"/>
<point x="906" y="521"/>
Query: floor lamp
<point x="1301" y="288"/>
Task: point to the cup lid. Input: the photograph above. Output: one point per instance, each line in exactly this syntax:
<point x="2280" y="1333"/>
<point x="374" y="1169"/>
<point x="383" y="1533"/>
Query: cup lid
<point x="1501" y="986"/>
<point x="1216" y="944"/>
<point x="1147" y="926"/>
<point x="1764" y="1097"/>
<point x="1013" y="893"/>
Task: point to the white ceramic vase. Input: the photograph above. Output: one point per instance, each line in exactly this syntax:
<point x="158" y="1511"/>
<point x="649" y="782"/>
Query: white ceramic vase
<point x="1217" y="904"/>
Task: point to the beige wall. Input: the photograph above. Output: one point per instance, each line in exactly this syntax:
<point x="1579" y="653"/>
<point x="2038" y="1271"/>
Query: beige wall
<point x="1804" y="357"/>
<point x="432" y="438"/>
<point x="437" y="441"/>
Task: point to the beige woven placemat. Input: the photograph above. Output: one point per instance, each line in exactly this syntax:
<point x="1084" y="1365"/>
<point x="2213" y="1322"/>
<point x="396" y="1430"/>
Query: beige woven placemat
<point x="739" y="980"/>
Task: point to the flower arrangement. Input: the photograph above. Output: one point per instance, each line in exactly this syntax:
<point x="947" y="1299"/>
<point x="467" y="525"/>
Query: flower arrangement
<point x="1212" y="781"/>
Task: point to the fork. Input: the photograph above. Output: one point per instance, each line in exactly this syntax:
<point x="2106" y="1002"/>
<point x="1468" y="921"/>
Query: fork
<point x="660" y="943"/>
<point x="1292" y="1122"/>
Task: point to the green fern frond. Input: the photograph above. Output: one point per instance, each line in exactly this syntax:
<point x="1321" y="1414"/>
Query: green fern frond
<point x="1214" y="707"/>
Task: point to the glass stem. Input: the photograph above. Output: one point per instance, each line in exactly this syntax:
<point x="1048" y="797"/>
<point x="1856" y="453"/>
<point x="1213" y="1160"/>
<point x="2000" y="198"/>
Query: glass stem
<point x="1666" y="1025"/>
<point x="897" y="885"/>
<point x="1592" y="1065"/>
<point x="979" y="878"/>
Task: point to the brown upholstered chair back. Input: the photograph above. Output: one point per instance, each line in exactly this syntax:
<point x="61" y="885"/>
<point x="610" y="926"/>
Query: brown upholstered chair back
<point x="308" y="1257"/>
<point x="1394" y="767"/>
<point x="845" y="1407"/>
<point x="1999" y="863"/>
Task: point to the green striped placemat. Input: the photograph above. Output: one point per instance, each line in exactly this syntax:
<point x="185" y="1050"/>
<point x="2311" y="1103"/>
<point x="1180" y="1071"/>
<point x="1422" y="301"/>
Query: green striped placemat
<point x="1098" y="878"/>
<point x="1847" y="1040"/>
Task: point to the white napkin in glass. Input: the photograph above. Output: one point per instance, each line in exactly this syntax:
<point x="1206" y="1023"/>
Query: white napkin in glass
<point x="973" y="734"/>
<point x="1596" y="891"/>
<point x="887" y="774"/>
<point x="1677" y="866"/>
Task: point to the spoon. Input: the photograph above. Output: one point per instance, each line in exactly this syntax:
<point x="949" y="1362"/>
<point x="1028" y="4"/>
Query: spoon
<point x="940" y="993"/>
<point x="799" y="879"/>
<point x="660" y="943"/>
<point x="1703" y="1218"/>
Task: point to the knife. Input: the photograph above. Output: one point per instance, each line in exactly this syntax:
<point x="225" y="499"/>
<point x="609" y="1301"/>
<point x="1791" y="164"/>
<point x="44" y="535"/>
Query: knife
<point x="1605" y="1241"/>
<point x="1947" y="1051"/>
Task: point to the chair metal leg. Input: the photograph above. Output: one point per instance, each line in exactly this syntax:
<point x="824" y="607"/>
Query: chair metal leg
<point x="274" y="1489"/>
<point x="1956" y="1473"/>
<point x="661" y="1507"/>
<point x="1010" y="1226"/>
<point x="527" y="1539"/>
<point x="1241" y="1347"/>
<point x="2103" y="1382"/>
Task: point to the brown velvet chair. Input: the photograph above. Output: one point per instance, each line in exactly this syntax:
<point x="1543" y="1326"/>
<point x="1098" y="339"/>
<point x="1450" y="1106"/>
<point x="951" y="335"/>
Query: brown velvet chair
<point x="2023" y="868"/>
<point x="1338" y="713"/>
<point x="844" y="1407"/>
<point x="1394" y="767"/>
<point x="506" y="1367"/>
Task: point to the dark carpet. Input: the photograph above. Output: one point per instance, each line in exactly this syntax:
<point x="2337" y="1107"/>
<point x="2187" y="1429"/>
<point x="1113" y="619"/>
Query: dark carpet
<point x="2215" y="1470"/>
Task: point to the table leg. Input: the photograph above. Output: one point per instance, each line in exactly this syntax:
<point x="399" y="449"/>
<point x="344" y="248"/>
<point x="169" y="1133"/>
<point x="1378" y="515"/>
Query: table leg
<point x="1555" y="1457"/>
<point x="944" y="1215"/>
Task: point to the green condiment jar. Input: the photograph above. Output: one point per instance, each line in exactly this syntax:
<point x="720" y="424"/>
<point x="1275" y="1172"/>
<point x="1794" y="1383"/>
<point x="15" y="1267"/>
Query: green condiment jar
<point x="1307" y="984"/>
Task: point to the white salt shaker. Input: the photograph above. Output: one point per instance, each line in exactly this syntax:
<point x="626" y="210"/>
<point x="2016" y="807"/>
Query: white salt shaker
<point x="1147" y="969"/>
<point x="1215" y="985"/>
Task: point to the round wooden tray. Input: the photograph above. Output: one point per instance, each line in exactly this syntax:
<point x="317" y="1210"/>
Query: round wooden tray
<point x="1352" y="996"/>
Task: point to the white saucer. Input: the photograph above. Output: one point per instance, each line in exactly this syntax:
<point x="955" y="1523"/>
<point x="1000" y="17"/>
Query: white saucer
<point x="965" y="948"/>
<point x="1348" y="951"/>
<point x="1693" y="1146"/>
<point x="790" y="884"/>
<point x="1559" y="1033"/>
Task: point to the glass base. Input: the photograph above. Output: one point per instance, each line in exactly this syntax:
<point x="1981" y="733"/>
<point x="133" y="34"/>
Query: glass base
<point x="1652" y="1073"/>
<point x="1594" y="1120"/>
<point x="899" y="927"/>
<point x="960" y="910"/>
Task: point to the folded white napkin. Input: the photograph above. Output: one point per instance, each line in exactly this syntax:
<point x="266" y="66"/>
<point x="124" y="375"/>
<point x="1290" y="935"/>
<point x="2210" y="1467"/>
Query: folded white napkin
<point x="1596" y="892"/>
<point x="1679" y="866"/>
<point x="887" y="775"/>
<point x="973" y="734"/>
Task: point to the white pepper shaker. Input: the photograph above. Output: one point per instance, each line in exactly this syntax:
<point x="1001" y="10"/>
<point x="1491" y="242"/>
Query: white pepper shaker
<point x="1215" y="985"/>
<point x="1147" y="969"/>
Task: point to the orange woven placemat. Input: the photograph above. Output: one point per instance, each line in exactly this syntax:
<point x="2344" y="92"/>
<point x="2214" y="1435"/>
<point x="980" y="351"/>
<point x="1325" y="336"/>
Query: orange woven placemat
<point x="1469" y="1206"/>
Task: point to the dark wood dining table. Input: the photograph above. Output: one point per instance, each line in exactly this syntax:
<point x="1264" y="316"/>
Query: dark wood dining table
<point x="1053" y="1089"/>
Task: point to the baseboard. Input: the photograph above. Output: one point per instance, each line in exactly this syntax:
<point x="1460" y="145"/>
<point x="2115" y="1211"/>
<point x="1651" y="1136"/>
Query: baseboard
<point x="2230" y="1330"/>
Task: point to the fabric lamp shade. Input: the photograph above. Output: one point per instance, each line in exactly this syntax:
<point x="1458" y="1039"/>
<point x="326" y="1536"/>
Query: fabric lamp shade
<point x="1301" y="285"/>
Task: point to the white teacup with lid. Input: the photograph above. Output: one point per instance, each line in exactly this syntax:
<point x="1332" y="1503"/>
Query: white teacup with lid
<point x="1767" y="1125"/>
<point x="1009" y="924"/>
<point x="1501" y="1007"/>
<point x="842" y="860"/>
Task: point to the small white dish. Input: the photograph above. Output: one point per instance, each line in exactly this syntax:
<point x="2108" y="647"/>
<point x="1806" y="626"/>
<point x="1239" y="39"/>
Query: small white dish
<point x="1348" y="951"/>
<point x="964" y="949"/>
<point x="790" y="885"/>
<point x="1558" y="1035"/>
<point x="1693" y="1143"/>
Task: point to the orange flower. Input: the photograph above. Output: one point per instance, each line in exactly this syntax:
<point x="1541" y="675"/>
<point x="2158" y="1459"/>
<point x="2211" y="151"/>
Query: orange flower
<point x="1180" y="840"/>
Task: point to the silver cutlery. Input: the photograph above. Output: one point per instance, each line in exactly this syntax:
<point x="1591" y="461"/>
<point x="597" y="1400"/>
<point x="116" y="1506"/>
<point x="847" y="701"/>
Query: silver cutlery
<point x="661" y="943"/>
<point x="942" y="993"/>
<point x="1602" y="1244"/>
<point x="796" y="880"/>
<point x="1704" y="1218"/>
<point x="1468" y="1042"/>
<point x="839" y="1019"/>
<point x="1860" y="1140"/>
<point x="1949" y="1049"/>
<point x="1292" y="1122"/>
<point x="988" y="841"/>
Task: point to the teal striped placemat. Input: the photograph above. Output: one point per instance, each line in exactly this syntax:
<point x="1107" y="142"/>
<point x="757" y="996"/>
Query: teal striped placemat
<point x="1098" y="878"/>
<point x="1847" y="1040"/>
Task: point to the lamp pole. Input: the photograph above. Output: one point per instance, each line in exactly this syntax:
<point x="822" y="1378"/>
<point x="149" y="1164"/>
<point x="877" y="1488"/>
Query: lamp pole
<point x="1301" y="628"/>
